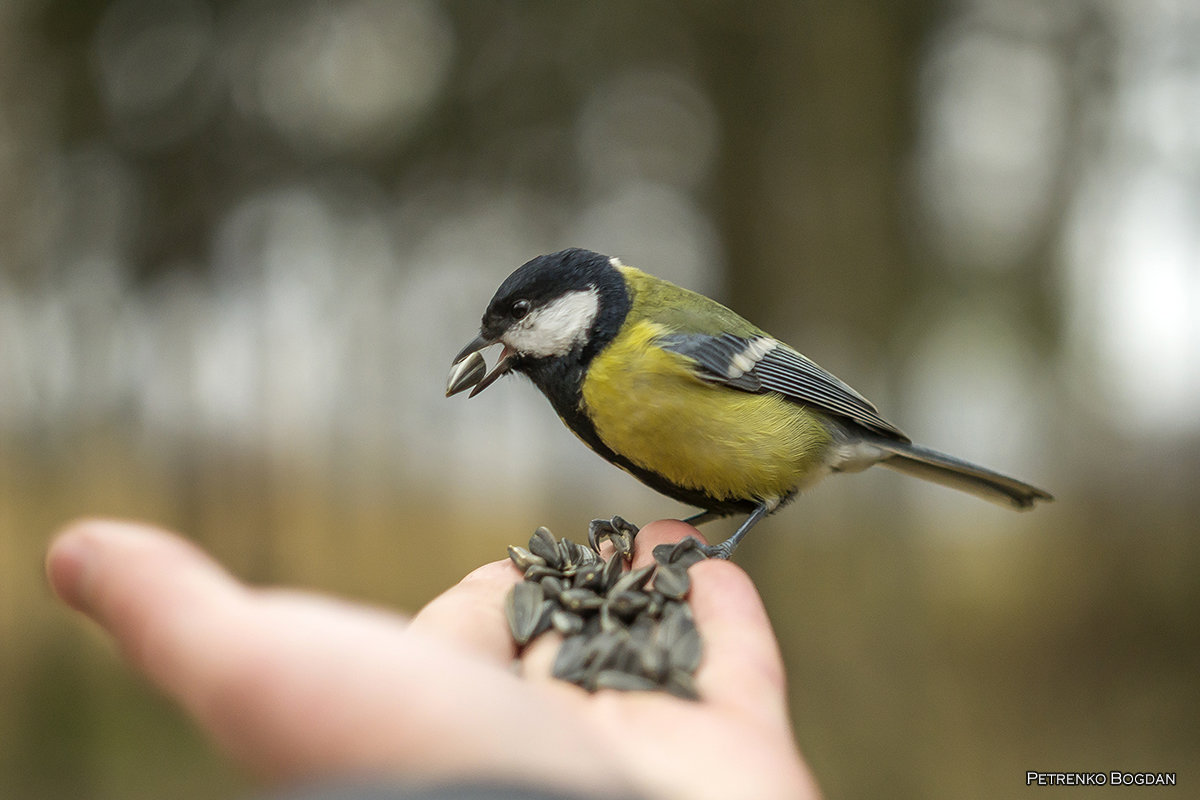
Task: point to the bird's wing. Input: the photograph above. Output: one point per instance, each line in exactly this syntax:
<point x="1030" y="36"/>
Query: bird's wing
<point x="761" y="364"/>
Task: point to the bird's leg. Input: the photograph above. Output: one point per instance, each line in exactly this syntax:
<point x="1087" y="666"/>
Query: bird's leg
<point x="725" y="549"/>
<point x="704" y="516"/>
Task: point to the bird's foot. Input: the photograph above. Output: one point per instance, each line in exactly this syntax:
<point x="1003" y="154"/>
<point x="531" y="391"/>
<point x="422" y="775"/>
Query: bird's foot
<point x="723" y="551"/>
<point x="617" y="530"/>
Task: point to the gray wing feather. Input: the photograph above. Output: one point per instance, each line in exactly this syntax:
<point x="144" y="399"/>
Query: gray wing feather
<point x="781" y="369"/>
<point x="714" y="356"/>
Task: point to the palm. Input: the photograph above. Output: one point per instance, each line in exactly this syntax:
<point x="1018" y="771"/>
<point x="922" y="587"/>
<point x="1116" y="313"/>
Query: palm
<point x="295" y="685"/>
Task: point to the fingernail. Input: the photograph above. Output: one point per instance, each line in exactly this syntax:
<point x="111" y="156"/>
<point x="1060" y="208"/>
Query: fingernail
<point x="68" y="566"/>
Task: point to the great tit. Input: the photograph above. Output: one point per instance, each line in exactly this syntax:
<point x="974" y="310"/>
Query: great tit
<point x="690" y="398"/>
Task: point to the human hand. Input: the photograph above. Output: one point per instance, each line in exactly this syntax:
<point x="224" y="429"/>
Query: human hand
<point x="298" y="686"/>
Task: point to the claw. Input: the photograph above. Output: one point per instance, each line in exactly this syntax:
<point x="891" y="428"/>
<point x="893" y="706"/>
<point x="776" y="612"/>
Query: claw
<point x="617" y="530"/>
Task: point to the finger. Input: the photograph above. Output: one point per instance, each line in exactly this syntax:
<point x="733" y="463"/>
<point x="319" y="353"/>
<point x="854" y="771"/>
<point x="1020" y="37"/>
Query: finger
<point x="742" y="667"/>
<point x="471" y="613"/>
<point x="109" y="570"/>
<point x="297" y="685"/>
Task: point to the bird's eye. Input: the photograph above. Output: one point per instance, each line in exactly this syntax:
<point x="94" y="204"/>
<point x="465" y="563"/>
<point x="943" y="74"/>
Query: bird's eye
<point x="520" y="309"/>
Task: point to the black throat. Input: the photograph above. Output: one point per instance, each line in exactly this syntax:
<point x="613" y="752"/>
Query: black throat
<point x="560" y="378"/>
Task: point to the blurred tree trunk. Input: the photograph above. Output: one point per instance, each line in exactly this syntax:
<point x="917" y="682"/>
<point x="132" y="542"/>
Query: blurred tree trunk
<point x="814" y="158"/>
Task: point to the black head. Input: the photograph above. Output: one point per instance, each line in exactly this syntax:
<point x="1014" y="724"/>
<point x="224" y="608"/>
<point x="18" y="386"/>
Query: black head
<point x="566" y="288"/>
<point x="561" y="307"/>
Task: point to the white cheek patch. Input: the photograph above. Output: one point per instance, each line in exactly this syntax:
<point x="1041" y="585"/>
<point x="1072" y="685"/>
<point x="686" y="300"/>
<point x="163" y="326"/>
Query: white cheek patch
<point x="556" y="327"/>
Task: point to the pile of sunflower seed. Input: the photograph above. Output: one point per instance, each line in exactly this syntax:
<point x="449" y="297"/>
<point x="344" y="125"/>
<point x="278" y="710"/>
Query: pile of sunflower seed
<point x="622" y="629"/>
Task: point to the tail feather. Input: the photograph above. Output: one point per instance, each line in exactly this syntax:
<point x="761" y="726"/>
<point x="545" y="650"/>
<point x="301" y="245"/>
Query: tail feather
<point x="930" y="465"/>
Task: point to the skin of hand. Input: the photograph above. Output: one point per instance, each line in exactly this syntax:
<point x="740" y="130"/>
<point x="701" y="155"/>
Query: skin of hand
<point x="297" y="686"/>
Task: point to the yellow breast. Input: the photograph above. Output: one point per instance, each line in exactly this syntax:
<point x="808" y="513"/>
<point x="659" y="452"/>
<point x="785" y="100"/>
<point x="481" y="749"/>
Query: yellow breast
<point x="647" y="405"/>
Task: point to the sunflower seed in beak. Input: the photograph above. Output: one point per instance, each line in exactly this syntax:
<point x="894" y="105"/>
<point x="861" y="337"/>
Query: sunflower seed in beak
<point x="465" y="374"/>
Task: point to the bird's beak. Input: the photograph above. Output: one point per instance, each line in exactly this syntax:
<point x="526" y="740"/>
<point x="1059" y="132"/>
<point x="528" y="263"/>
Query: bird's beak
<point x="469" y="368"/>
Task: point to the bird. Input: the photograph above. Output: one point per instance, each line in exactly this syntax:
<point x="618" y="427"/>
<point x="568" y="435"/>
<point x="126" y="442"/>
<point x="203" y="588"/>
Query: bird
<point x="690" y="398"/>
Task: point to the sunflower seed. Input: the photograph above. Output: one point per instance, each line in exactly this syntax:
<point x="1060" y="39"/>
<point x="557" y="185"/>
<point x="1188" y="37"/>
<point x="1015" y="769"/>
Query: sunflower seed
<point x="626" y="630"/>
<point x="685" y="552"/>
<point x="681" y="684"/>
<point x="552" y="585"/>
<point x="568" y="553"/>
<point x="642" y="630"/>
<point x="465" y="374"/>
<point x="601" y="652"/>
<point x="612" y="573"/>
<point x="527" y="610"/>
<point x="676" y="623"/>
<point x="565" y="622"/>
<point x="633" y="580"/>
<point x="539" y="571"/>
<point x="618" y="654"/>
<point x="523" y="558"/>
<point x="627" y="604"/>
<point x="662" y="553"/>
<point x="610" y="622"/>
<point x="623" y="681"/>
<point x="672" y="580"/>
<point x="655" y="607"/>
<point x="590" y="576"/>
<point x="542" y="544"/>
<point x="543" y="623"/>
<point x="571" y="660"/>
<point x="580" y="600"/>
<point x="686" y="652"/>
<point x="653" y="661"/>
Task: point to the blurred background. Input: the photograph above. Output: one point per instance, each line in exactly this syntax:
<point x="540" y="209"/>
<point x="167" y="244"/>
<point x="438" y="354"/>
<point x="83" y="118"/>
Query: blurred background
<point x="240" y="241"/>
